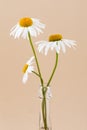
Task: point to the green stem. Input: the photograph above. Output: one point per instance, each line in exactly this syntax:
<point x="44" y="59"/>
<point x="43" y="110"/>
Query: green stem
<point x="45" y="113"/>
<point x="44" y="108"/>
<point x="54" y="69"/>
<point x="35" y="58"/>
<point x="36" y="73"/>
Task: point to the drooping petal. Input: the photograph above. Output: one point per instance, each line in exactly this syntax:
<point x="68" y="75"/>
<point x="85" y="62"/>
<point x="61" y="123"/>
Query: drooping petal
<point x="46" y="49"/>
<point x="73" y="43"/>
<point x="18" y="33"/>
<point x="66" y="43"/>
<point x="52" y="45"/>
<point x="14" y="30"/>
<point x="41" y="47"/>
<point x="38" y="30"/>
<point x="57" y="49"/>
<point x="25" y="78"/>
<point x="41" y="42"/>
<point x="62" y="45"/>
<point x="30" y="61"/>
<point x="37" y="23"/>
<point x="25" y="33"/>
<point x="32" y="31"/>
<point x="70" y="41"/>
<point x="55" y="45"/>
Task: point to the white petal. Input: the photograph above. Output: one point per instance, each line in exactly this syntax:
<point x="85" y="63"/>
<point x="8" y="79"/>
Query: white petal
<point x="55" y="45"/>
<point x="37" y="23"/>
<point x="47" y="48"/>
<point x="62" y="46"/>
<point x="32" y="31"/>
<point x="18" y="32"/>
<point x="38" y="30"/>
<point x="70" y="42"/>
<point x="25" y="33"/>
<point x="52" y="45"/>
<point x="42" y="42"/>
<point x="25" y="78"/>
<point x="30" y="61"/>
<point x="57" y="49"/>
<point x="14" y="29"/>
<point x="40" y="25"/>
<point x="44" y="45"/>
<point x="67" y="44"/>
<point x="41" y="47"/>
<point x="30" y="69"/>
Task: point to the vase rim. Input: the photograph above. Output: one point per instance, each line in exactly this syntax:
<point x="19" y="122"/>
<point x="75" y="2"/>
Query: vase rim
<point x="44" y="85"/>
<point x="48" y="93"/>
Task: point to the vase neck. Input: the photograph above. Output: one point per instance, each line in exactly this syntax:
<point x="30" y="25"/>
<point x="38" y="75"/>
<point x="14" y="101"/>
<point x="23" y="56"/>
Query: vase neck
<point x="45" y="92"/>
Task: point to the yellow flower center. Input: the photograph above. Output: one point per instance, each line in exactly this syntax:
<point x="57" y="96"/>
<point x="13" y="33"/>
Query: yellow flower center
<point x="55" y="37"/>
<point x="25" y="68"/>
<point x="25" y="22"/>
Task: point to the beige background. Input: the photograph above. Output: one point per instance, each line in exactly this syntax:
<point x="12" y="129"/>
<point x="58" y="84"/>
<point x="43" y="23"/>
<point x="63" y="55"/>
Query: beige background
<point x="19" y="104"/>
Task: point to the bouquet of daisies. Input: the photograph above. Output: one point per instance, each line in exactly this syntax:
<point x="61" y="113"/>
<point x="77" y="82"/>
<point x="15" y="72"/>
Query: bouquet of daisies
<point x="31" y="27"/>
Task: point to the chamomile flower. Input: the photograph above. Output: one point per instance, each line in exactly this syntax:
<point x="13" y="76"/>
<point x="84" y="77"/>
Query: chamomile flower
<point x="25" y="25"/>
<point x="56" y="42"/>
<point x="28" y="68"/>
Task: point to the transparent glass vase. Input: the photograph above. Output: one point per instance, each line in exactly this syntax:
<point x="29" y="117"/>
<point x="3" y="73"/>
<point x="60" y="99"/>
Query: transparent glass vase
<point x="44" y="115"/>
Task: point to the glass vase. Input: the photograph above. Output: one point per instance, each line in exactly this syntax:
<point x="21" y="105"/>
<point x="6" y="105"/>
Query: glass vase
<point x="44" y="115"/>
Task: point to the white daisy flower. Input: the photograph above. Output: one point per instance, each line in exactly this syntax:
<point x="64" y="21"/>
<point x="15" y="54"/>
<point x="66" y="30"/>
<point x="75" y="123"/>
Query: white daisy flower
<point x="25" y="25"/>
<point x="28" y="68"/>
<point x="56" y="42"/>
